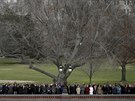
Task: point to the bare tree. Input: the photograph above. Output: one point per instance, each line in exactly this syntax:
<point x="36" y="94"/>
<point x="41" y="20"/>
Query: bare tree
<point x="91" y="67"/>
<point x="120" y="42"/>
<point x="14" y="30"/>
<point x="124" y="49"/>
<point x="131" y="46"/>
<point x="69" y="29"/>
<point x="69" y="33"/>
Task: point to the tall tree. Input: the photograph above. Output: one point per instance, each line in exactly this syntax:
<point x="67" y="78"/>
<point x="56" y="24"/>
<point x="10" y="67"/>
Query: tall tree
<point x="124" y="49"/>
<point x="69" y="28"/>
<point x="15" y="29"/>
<point x="120" y="42"/>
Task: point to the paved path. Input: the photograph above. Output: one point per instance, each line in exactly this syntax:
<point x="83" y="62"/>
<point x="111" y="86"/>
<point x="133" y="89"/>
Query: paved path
<point x="13" y="81"/>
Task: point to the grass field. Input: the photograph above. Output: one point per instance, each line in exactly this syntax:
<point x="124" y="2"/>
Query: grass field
<point x="10" y="69"/>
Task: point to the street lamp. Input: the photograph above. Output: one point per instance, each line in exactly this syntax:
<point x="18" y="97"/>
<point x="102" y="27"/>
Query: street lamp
<point x="80" y="43"/>
<point x="70" y="68"/>
<point x="60" y="69"/>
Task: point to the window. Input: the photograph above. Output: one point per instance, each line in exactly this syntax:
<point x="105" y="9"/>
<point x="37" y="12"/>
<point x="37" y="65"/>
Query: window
<point x="15" y="1"/>
<point x="116" y="2"/>
<point x="11" y="1"/>
<point x="127" y="11"/>
<point x="127" y="2"/>
<point x="8" y="1"/>
<point x="130" y="2"/>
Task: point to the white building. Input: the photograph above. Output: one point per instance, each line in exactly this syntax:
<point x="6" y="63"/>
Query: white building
<point x="10" y="1"/>
<point x="17" y="5"/>
<point x="125" y="5"/>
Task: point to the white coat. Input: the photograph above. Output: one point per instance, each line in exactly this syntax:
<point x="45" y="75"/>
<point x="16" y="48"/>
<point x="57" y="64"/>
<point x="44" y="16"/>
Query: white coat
<point x="91" y="90"/>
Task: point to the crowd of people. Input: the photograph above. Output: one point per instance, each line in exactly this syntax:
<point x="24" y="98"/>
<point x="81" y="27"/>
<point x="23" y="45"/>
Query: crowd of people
<point x="76" y="88"/>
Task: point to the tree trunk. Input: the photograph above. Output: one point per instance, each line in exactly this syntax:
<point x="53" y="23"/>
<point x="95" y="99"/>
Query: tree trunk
<point x="91" y="73"/>
<point x="61" y="78"/>
<point x="23" y="59"/>
<point x="123" y="72"/>
<point x="63" y="75"/>
<point x="90" y="79"/>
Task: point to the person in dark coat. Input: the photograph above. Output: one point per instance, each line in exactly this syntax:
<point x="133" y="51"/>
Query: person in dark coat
<point x="70" y="89"/>
<point x="15" y="89"/>
<point x="4" y="89"/>
<point x="82" y="88"/>
<point x="58" y="89"/>
<point x="74" y="89"/>
<point x="45" y="89"/>
<point x="41" y="89"/>
<point x="32" y="89"/>
<point x="87" y="89"/>
<point x="25" y="89"/>
<point x="10" y="89"/>
<point x="54" y="89"/>
<point x="49" y="89"/>
<point x="20" y="89"/>
<point x="0" y="89"/>
<point x="114" y="90"/>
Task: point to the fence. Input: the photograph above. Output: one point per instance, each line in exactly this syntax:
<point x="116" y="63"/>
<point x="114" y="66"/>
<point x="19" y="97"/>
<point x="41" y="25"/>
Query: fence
<point x="67" y="98"/>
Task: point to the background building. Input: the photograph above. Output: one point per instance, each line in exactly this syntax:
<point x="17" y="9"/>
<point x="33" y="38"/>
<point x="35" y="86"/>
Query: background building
<point x="125" y="5"/>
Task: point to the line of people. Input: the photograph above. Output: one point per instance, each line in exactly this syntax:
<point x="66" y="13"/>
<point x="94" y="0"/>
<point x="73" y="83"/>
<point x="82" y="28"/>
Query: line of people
<point x="66" y="89"/>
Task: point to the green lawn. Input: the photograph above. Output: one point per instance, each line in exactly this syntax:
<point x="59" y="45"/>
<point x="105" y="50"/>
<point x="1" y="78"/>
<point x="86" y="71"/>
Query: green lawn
<point x="12" y="70"/>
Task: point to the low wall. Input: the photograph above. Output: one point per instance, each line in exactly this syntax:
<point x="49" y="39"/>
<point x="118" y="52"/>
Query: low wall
<point x="67" y="98"/>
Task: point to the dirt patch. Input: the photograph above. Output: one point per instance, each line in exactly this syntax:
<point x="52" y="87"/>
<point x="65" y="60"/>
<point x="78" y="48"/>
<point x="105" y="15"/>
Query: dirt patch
<point x="13" y="81"/>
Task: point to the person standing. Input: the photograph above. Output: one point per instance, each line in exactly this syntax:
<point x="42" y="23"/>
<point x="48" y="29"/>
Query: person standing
<point x="87" y="89"/>
<point x="99" y="89"/>
<point x="91" y="90"/>
<point x="78" y="90"/>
